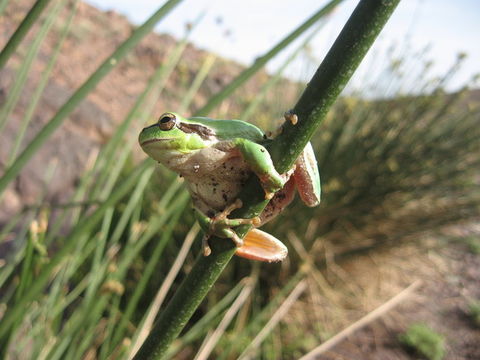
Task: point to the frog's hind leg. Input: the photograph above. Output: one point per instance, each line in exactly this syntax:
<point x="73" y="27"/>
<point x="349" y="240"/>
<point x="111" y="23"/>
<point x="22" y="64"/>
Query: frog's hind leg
<point x="221" y="225"/>
<point x="229" y="233"/>
<point x="207" y="250"/>
<point x="222" y="217"/>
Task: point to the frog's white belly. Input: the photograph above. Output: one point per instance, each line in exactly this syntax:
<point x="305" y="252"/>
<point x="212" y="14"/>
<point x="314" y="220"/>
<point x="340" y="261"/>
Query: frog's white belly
<point x="214" y="178"/>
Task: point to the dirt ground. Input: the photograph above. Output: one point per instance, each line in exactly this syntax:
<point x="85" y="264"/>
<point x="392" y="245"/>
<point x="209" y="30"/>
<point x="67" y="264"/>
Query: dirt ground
<point x="450" y="276"/>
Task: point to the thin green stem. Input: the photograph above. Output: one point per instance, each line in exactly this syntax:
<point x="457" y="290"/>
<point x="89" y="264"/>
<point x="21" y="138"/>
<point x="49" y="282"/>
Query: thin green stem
<point x="22" y="30"/>
<point x="197" y="82"/>
<point x="185" y="301"/>
<point x="261" y="61"/>
<point x="345" y="55"/>
<point x="32" y="106"/>
<point x="352" y="44"/>
<point x="80" y="230"/>
<point x="24" y="69"/>
<point x="82" y="92"/>
<point x="3" y="5"/>
<point x="248" y="112"/>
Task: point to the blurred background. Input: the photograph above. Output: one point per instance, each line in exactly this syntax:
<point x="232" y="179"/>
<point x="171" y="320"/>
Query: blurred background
<point x="398" y="155"/>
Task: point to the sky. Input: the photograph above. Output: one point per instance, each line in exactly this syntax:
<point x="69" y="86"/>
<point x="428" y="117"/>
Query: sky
<point x="244" y="30"/>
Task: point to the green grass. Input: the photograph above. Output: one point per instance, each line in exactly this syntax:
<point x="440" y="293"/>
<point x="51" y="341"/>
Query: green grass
<point x="474" y="312"/>
<point x="87" y="276"/>
<point x="473" y="243"/>
<point x="424" y="341"/>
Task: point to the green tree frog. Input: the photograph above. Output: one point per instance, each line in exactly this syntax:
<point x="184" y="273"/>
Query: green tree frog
<point x="216" y="157"/>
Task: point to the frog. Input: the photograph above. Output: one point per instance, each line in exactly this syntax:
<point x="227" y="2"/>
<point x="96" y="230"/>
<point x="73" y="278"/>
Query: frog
<point x="216" y="157"/>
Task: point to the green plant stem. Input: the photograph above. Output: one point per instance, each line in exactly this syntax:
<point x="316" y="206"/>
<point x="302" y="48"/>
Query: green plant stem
<point x="80" y="230"/>
<point x="261" y="61"/>
<point x="345" y="55"/>
<point x="26" y="65"/>
<point x="82" y="92"/>
<point x="32" y="106"/>
<point x="339" y="65"/>
<point x="184" y="303"/>
<point x="3" y="5"/>
<point x="21" y="31"/>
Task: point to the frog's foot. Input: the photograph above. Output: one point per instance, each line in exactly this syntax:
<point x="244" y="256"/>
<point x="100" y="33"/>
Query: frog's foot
<point x="222" y="220"/>
<point x="228" y="233"/>
<point x="285" y="178"/>
<point x="261" y="246"/>
<point x="221" y="225"/>
<point x="205" y="246"/>
<point x="269" y="195"/>
<point x="221" y="216"/>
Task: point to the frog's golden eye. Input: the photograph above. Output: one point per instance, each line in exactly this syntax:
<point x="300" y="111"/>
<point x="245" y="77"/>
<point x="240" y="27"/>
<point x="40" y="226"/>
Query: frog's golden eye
<point x="167" y="121"/>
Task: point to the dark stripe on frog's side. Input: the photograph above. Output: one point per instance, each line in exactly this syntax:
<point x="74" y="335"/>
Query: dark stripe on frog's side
<point x="202" y="131"/>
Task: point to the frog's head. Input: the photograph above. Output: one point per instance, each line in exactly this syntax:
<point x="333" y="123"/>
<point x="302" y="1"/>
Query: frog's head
<point x="174" y="135"/>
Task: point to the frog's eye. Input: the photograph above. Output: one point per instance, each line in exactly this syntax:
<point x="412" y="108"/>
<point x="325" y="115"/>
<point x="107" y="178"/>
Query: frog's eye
<point x="167" y="121"/>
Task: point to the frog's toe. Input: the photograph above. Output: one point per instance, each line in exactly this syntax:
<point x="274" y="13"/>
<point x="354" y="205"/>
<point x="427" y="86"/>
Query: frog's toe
<point x="236" y="239"/>
<point x="206" y="247"/>
<point x="269" y="195"/>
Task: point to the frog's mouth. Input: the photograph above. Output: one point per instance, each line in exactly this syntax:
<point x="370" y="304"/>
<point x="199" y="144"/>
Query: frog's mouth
<point x="150" y="141"/>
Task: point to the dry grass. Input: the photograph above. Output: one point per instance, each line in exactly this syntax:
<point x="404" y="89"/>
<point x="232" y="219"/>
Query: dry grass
<point x="357" y="286"/>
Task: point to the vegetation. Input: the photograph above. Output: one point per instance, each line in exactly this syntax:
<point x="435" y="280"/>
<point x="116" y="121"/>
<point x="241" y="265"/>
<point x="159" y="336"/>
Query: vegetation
<point x="474" y="312"/>
<point x="424" y="341"/>
<point x="86" y="278"/>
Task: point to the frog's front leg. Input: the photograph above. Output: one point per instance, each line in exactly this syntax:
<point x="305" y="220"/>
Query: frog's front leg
<point x="258" y="159"/>
<point x="221" y="226"/>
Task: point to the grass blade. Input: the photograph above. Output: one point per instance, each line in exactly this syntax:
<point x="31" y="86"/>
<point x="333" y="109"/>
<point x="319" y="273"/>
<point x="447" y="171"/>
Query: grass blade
<point x="197" y="82"/>
<point x="22" y="30"/>
<point x="44" y="276"/>
<point x="3" y="5"/>
<point x="82" y="92"/>
<point x="41" y="86"/>
<point x="261" y="61"/>
<point x="22" y="73"/>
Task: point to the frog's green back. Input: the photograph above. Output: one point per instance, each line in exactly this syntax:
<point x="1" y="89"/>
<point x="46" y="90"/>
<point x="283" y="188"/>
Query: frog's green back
<point x="230" y="129"/>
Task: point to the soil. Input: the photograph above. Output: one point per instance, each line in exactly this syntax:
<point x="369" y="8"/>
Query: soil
<point x="450" y="276"/>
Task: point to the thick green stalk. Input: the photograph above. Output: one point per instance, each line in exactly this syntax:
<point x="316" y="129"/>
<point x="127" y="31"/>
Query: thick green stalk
<point x="352" y="44"/>
<point x="82" y="92"/>
<point x="184" y="303"/>
<point x="21" y="31"/>
<point x="261" y="61"/>
<point x="345" y="55"/>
